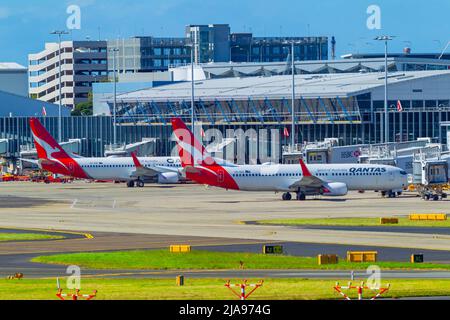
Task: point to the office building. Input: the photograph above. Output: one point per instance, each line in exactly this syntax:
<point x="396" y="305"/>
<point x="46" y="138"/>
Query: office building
<point x="244" y="47"/>
<point x="148" y="54"/>
<point x="82" y="63"/>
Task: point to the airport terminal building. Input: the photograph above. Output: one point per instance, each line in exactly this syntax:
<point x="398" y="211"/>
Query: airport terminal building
<point x="347" y="105"/>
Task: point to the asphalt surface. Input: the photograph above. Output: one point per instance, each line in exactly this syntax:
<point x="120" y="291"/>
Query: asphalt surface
<point x="12" y="201"/>
<point x="102" y="241"/>
<point x="420" y="230"/>
<point x="313" y="249"/>
<point x="192" y="210"/>
<point x="11" y="264"/>
<point x="121" y="218"/>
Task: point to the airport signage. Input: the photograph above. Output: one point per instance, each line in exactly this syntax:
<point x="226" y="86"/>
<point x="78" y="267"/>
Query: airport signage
<point x="273" y="249"/>
<point x="417" y="258"/>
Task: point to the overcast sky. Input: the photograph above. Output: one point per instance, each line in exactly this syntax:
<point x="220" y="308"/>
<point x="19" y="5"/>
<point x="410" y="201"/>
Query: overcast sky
<point x="422" y="25"/>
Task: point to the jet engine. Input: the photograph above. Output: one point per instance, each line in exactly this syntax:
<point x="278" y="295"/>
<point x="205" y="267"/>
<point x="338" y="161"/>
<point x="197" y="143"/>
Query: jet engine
<point x="335" y="189"/>
<point x="168" y="177"/>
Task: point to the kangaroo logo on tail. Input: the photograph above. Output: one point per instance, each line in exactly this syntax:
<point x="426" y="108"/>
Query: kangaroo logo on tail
<point x="51" y="155"/>
<point x="196" y="161"/>
<point x="191" y="151"/>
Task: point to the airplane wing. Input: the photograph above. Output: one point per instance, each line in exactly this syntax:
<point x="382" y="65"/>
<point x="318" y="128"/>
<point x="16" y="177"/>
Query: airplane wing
<point x="142" y="170"/>
<point x="308" y="180"/>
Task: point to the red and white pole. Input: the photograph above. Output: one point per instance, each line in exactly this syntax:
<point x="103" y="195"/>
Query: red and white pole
<point x="243" y="291"/>
<point x="360" y="289"/>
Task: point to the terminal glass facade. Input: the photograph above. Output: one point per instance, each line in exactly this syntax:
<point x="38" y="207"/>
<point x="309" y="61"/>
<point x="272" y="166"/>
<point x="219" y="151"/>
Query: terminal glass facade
<point x="358" y="125"/>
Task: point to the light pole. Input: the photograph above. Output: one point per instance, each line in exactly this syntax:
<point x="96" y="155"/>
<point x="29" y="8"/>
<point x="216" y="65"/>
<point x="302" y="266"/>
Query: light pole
<point x="386" y="114"/>
<point x="59" y="33"/>
<point x="293" y="97"/>
<point x="192" y="86"/>
<point x="114" y="51"/>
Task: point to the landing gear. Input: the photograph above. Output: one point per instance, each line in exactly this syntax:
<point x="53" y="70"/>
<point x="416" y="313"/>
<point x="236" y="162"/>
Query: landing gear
<point x="390" y="194"/>
<point x="135" y="183"/>
<point x="286" y="196"/>
<point x="301" y="196"/>
<point x="139" y="183"/>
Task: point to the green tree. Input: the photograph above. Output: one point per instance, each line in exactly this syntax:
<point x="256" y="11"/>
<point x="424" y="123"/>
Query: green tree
<point x="84" y="108"/>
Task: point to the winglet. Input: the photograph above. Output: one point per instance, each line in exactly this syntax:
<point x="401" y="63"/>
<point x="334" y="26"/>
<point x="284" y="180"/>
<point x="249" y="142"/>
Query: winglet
<point x="136" y="161"/>
<point x="305" y="169"/>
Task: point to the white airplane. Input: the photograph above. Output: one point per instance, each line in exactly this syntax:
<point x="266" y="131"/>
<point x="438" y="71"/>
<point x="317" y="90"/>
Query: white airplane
<point x="316" y="179"/>
<point x="53" y="158"/>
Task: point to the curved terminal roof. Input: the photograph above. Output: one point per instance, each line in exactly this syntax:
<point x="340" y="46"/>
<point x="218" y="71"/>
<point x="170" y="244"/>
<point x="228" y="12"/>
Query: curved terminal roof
<point x="307" y="86"/>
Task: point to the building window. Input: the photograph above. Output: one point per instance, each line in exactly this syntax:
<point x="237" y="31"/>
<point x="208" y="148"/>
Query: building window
<point x="157" y="51"/>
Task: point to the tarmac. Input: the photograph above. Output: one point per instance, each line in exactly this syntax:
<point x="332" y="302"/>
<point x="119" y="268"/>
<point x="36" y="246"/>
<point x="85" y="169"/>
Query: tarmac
<point x="195" y="211"/>
<point x="108" y="217"/>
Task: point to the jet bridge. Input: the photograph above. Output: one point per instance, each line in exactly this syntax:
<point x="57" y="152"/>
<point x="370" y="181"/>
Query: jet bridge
<point x="146" y="147"/>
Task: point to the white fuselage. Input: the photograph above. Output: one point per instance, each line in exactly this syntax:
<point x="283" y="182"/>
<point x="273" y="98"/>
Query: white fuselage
<point x="282" y="177"/>
<point x="122" y="168"/>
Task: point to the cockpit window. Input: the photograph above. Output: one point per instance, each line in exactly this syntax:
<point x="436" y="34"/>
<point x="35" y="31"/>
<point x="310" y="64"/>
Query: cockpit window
<point x="403" y="173"/>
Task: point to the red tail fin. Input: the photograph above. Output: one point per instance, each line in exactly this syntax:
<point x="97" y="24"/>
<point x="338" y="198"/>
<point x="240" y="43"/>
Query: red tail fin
<point x="54" y="158"/>
<point x="46" y="146"/>
<point x="200" y="166"/>
<point x="191" y="151"/>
